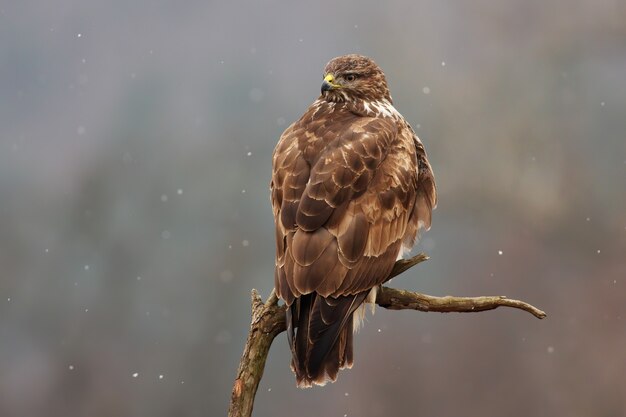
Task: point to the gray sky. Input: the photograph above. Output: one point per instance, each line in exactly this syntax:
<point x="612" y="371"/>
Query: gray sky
<point x="135" y="146"/>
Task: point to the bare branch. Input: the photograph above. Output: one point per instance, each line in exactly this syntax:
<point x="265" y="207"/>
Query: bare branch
<point x="403" y="264"/>
<point x="268" y="321"/>
<point x="394" y="299"/>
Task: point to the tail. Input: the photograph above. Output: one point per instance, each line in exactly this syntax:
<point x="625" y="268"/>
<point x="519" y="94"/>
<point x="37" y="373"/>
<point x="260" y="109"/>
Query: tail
<point x="320" y="336"/>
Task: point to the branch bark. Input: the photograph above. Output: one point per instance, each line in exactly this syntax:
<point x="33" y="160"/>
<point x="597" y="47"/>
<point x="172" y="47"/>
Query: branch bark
<point x="268" y="321"/>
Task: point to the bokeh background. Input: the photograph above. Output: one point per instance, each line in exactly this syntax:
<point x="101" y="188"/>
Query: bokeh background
<point x="135" y="157"/>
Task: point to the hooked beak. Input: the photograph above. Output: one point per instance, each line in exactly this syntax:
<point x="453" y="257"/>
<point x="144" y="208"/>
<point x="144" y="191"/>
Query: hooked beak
<point x="329" y="83"/>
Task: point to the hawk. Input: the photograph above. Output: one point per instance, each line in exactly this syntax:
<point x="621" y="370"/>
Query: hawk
<point x="351" y="185"/>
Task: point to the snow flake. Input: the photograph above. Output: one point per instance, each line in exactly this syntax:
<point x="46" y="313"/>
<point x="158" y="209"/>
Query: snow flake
<point x="164" y="198"/>
<point x="161" y="376"/>
<point x="179" y="191"/>
<point x="245" y="243"/>
<point x="500" y="252"/>
<point x="71" y="367"/>
<point x="86" y="267"/>
<point x="550" y="349"/>
<point x="249" y="153"/>
<point x="426" y="90"/>
<point x="79" y="35"/>
<point x="443" y="63"/>
<point x="136" y="374"/>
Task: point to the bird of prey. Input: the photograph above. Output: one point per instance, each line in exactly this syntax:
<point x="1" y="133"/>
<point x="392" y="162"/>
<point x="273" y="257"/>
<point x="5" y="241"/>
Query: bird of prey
<point x="351" y="185"/>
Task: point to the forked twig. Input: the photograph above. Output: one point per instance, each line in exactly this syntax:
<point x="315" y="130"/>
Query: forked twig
<point x="268" y="321"/>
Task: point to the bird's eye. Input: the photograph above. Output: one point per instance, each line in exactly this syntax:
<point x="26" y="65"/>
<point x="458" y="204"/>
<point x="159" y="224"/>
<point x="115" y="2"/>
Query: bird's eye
<point x="350" y="77"/>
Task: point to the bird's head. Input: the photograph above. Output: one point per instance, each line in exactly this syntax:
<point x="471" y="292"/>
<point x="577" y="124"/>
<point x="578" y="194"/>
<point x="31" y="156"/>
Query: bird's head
<point x="354" y="77"/>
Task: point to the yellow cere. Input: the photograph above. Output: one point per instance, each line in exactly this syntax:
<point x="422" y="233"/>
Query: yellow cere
<point x="329" y="78"/>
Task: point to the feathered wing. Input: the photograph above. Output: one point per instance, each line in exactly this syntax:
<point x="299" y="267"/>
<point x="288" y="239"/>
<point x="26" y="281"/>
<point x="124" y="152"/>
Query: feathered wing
<point x="347" y="193"/>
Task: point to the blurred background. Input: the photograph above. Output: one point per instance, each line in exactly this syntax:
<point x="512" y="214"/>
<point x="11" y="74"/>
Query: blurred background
<point x="135" y="157"/>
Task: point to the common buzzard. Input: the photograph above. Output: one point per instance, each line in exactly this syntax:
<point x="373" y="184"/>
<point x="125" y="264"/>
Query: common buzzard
<point x="351" y="186"/>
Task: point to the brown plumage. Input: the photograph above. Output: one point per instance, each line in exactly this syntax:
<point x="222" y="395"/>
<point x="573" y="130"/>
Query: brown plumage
<point x="351" y="185"/>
